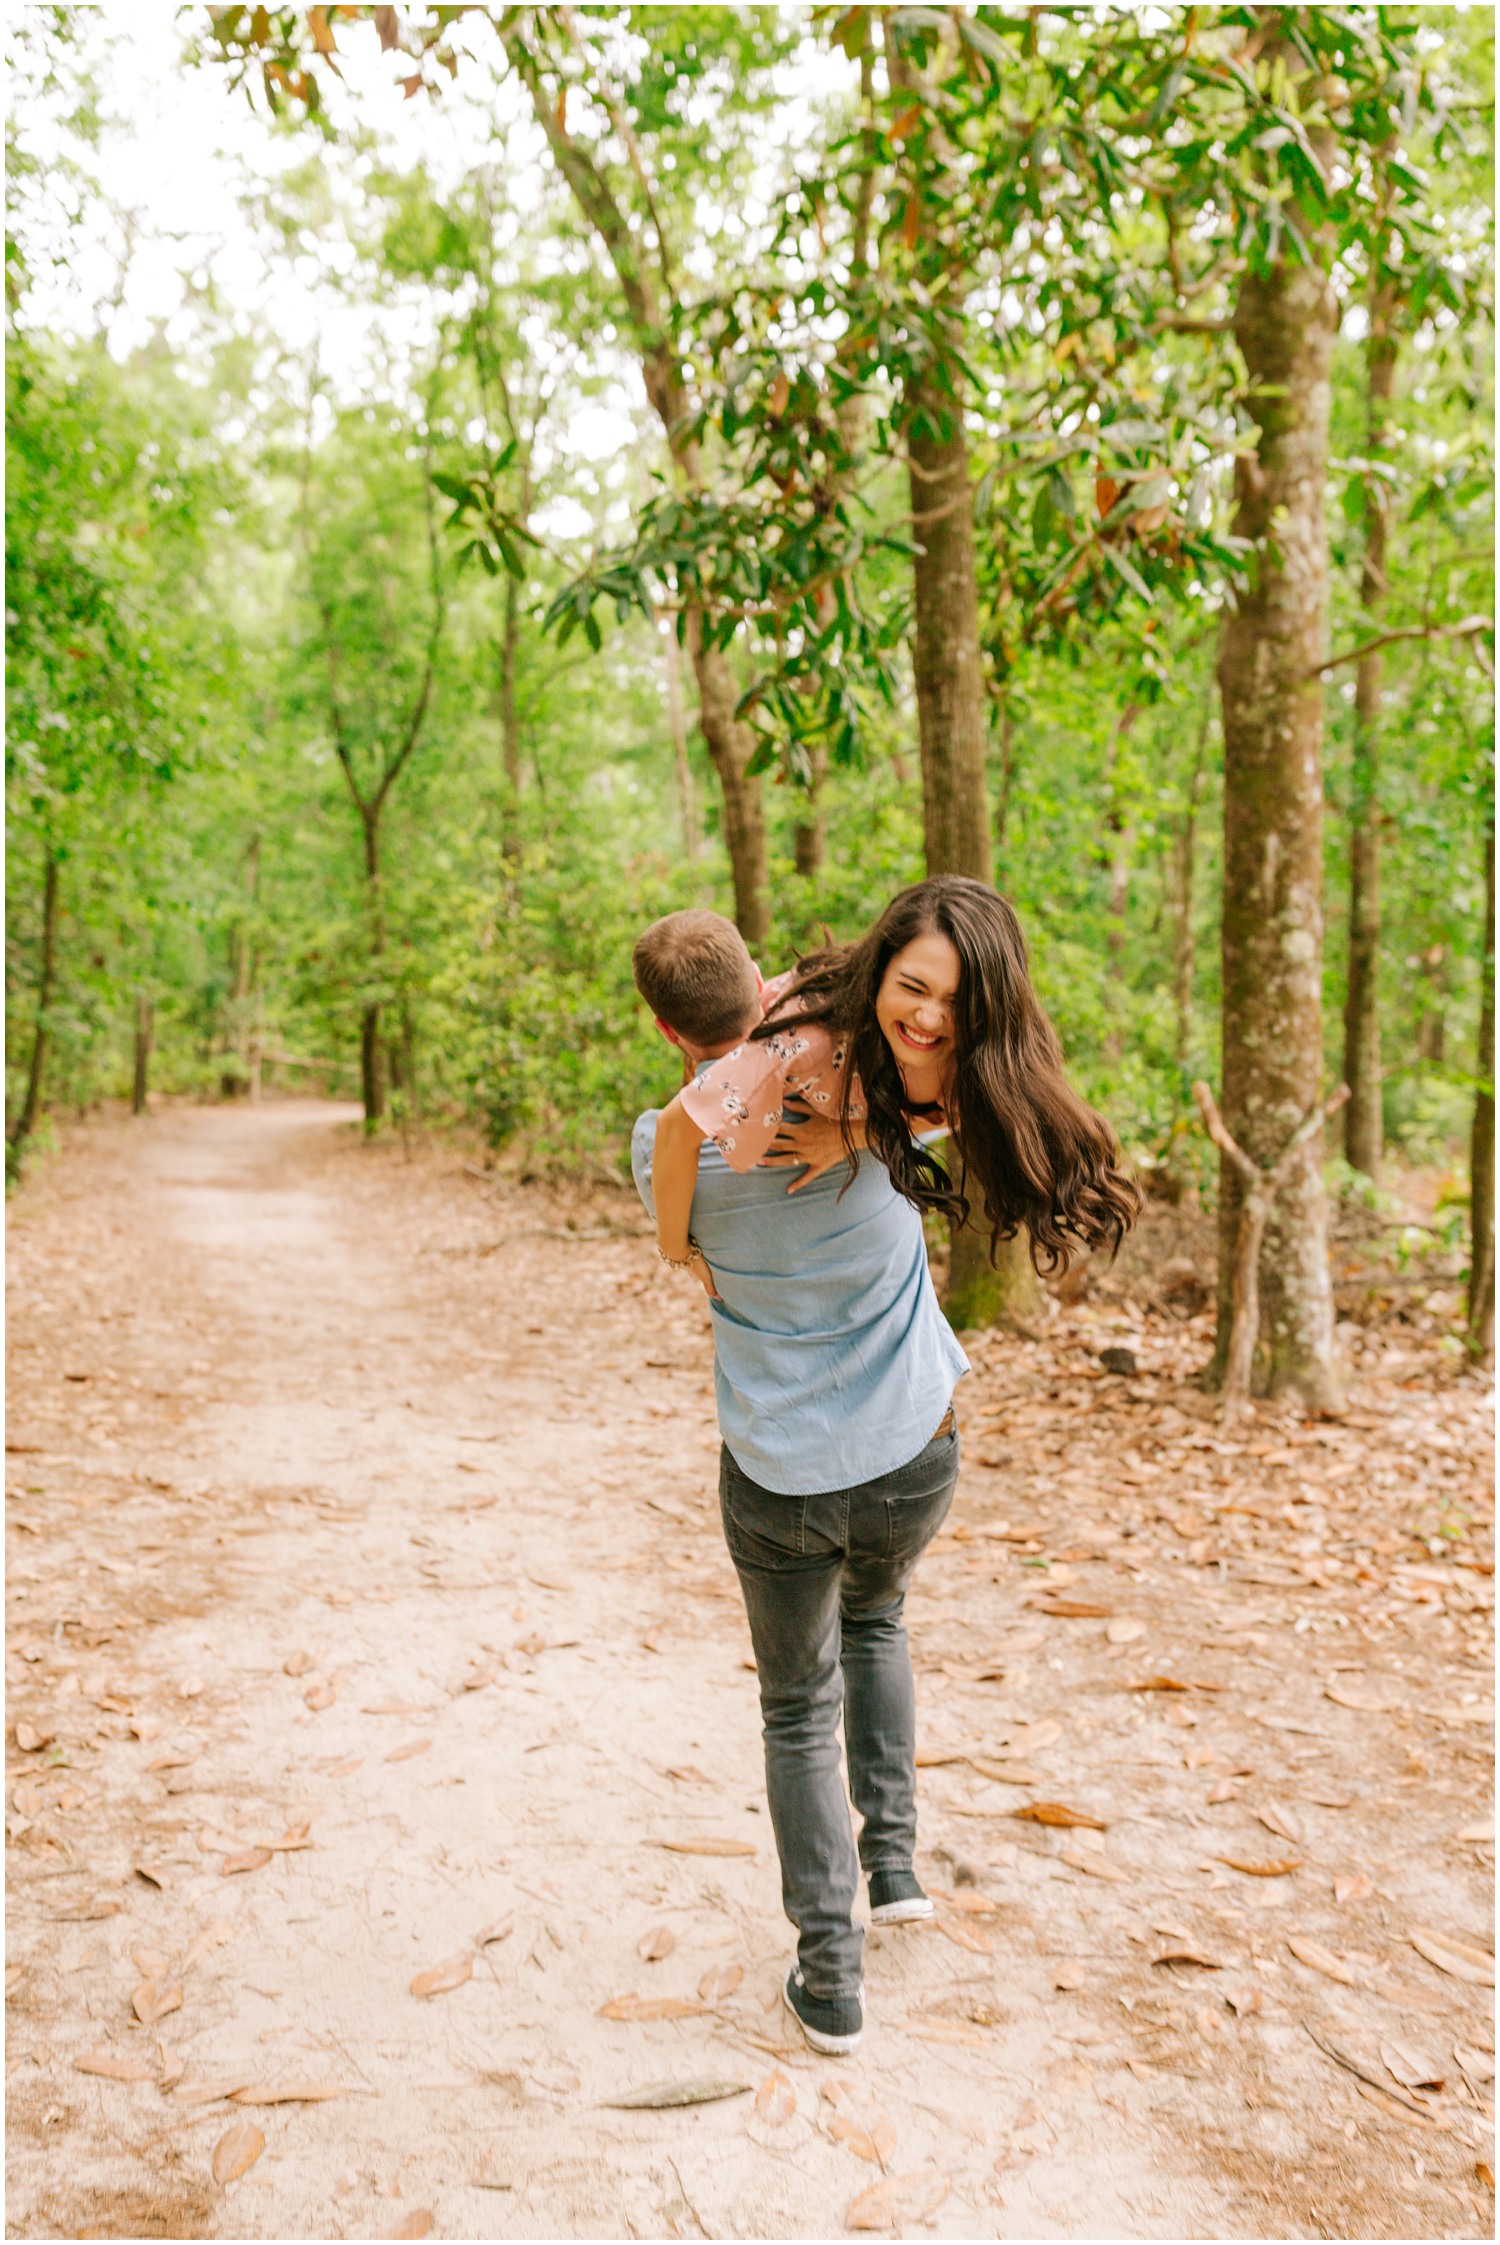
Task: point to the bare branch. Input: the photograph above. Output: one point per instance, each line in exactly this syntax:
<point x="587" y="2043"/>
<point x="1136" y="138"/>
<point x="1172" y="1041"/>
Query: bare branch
<point x="1464" y="630"/>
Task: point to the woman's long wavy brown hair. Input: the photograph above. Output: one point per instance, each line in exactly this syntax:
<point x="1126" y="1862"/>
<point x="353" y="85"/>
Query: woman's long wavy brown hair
<point x="1037" y="1155"/>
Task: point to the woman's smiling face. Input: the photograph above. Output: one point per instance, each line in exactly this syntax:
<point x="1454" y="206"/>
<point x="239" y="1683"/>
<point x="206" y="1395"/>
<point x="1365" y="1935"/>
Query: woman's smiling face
<point x="914" y="1004"/>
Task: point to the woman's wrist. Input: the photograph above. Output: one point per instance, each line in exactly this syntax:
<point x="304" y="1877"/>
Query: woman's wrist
<point x="691" y="1253"/>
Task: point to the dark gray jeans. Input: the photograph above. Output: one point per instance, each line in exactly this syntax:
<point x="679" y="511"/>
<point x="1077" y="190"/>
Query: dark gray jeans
<point x="825" y="1580"/>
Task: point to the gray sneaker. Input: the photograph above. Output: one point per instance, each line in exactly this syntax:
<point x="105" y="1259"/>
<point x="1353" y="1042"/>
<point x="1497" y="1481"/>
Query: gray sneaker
<point x="832" y="2024"/>
<point x="897" y="1899"/>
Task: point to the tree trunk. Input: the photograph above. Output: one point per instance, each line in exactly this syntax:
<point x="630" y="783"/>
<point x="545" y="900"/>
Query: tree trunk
<point x="41" y="1037"/>
<point x="809" y="835"/>
<point x="980" y="1293"/>
<point x="510" y="732"/>
<point x="1184" y="853"/>
<point x="1482" y="1144"/>
<point x="1007" y="778"/>
<point x="945" y="653"/>
<point x="371" y="1073"/>
<point x="371" y="1078"/>
<point x="144" y="1039"/>
<point x="731" y="744"/>
<point x="1285" y="323"/>
<point x="1118" y="846"/>
<point x="692" y="838"/>
<point x="1362" y="1125"/>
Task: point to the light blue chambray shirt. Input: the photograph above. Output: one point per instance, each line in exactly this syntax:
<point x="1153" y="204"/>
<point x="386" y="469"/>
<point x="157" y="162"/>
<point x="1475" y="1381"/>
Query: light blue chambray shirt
<point x="832" y="1361"/>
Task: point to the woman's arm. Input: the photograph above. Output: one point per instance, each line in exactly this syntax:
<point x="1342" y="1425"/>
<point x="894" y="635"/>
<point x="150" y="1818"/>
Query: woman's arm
<point x="674" y="1180"/>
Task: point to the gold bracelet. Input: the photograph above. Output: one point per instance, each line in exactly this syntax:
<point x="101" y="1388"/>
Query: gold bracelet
<point x="682" y="1262"/>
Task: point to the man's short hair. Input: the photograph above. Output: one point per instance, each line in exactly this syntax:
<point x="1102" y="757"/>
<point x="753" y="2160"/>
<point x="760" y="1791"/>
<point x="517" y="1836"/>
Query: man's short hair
<point x="695" y="974"/>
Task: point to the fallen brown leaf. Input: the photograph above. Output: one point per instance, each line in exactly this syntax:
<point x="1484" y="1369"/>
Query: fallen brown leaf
<point x="1277" y="1869"/>
<point x="1188" y="1956"/>
<point x="1353" y="1888"/>
<point x="650" y="2007"/>
<point x="406" y="1753"/>
<point x="1319" y="1959"/>
<point x="418" y="2224"/>
<point x="1095" y="1865"/>
<point x="1414" y="2069"/>
<point x="1460" y="1958"/>
<point x="1070" y="1609"/>
<point x="441" y="1979"/>
<point x="965" y="1936"/>
<point x="171" y="1761"/>
<point x="665" y="2096"/>
<point x="290" y="2093"/>
<point x="655" y="1945"/>
<point x="1057" y="1812"/>
<point x="874" y="2142"/>
<point x="1279" y="1820"/>
<point x="87" y="1913"/>
<point x="720" y="1982"/>
<point x="153" y="1999"/>
<point x="247" y="1859"/>
<point x="775" y="2100"/>
<point x="1361" y="1694"/>
<point x="236" y="2151"/>
<point x="897" y="2201"/>
<point x="968" y="1900"/>
<point x="111" y="2067"/>
<point x="707" y="1847"/>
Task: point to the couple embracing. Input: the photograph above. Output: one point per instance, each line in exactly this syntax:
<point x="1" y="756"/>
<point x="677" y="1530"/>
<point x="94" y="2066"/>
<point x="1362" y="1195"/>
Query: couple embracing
<point x="834" y="1367"/>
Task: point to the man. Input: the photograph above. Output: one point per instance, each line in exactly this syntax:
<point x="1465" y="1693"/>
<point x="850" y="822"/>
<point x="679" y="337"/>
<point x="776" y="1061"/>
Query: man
<point x="834" y="1372"/>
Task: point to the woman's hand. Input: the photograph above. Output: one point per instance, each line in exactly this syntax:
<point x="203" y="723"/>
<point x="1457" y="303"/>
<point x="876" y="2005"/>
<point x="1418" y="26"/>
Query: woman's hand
<point x="810" y="1142"/>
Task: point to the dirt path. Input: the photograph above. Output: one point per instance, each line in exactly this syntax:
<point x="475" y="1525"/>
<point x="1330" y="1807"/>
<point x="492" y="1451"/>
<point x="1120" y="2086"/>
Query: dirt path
<point x="362" y="1534"/>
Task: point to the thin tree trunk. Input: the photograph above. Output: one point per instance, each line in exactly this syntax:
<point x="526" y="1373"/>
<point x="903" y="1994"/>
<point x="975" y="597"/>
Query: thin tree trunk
<point x="810" y="834"/>
<point x="371" y="1072"/>
<point x="510" y="731"/>
<point x="1120" y="842"/>
<point x="945" y="655"/>
<point x="731" y="744"/>
<point x="1184" y="854"/>
<point x="1482" y="1143"/>
<point x="41" y="1036"/>
<point x="639" y="254"/>
<point x="144" y="1039"/>
<point x="1007" y="777"/>
<point x="1362" y="1125"/>
<point x="692" y="837"/>
<point x="1285" y="322"/>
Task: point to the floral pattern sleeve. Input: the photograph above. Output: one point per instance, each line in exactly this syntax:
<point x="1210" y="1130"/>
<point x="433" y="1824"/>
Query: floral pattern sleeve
<point x="737" y="1101"/>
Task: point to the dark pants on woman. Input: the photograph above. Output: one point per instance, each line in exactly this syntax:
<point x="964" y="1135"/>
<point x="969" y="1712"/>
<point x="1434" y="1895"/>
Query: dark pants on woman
<point x="825" y="1580"/>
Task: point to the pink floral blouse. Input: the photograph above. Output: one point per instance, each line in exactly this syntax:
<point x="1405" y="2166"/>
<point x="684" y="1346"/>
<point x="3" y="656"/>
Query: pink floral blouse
<point x="737" y="1101"/>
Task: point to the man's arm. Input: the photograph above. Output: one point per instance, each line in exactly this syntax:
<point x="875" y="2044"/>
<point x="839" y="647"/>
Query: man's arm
<point x="674" y="1180"/>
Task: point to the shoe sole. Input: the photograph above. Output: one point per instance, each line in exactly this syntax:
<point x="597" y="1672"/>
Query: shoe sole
<point x="831" y="2046"/>
<point x="915" y="1912"/>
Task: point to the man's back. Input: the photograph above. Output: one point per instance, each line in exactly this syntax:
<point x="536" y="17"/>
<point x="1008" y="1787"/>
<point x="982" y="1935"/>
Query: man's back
<point x="832" y="1359"/>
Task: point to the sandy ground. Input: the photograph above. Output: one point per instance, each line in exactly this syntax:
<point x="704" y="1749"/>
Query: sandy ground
<point x="369" y="1616"/>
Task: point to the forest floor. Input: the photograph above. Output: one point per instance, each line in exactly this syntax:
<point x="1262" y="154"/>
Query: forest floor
<point x="369" y="1617"/>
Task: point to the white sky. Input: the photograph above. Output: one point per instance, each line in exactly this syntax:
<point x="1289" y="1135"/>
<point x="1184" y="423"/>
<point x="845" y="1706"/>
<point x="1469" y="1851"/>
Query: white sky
<point x="181" y="150"/>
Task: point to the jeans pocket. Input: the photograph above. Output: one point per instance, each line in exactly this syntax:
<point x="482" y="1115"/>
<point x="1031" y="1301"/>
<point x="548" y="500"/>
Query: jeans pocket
<point x="759" y="1515"/>
<point x="914" y="1519"/>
